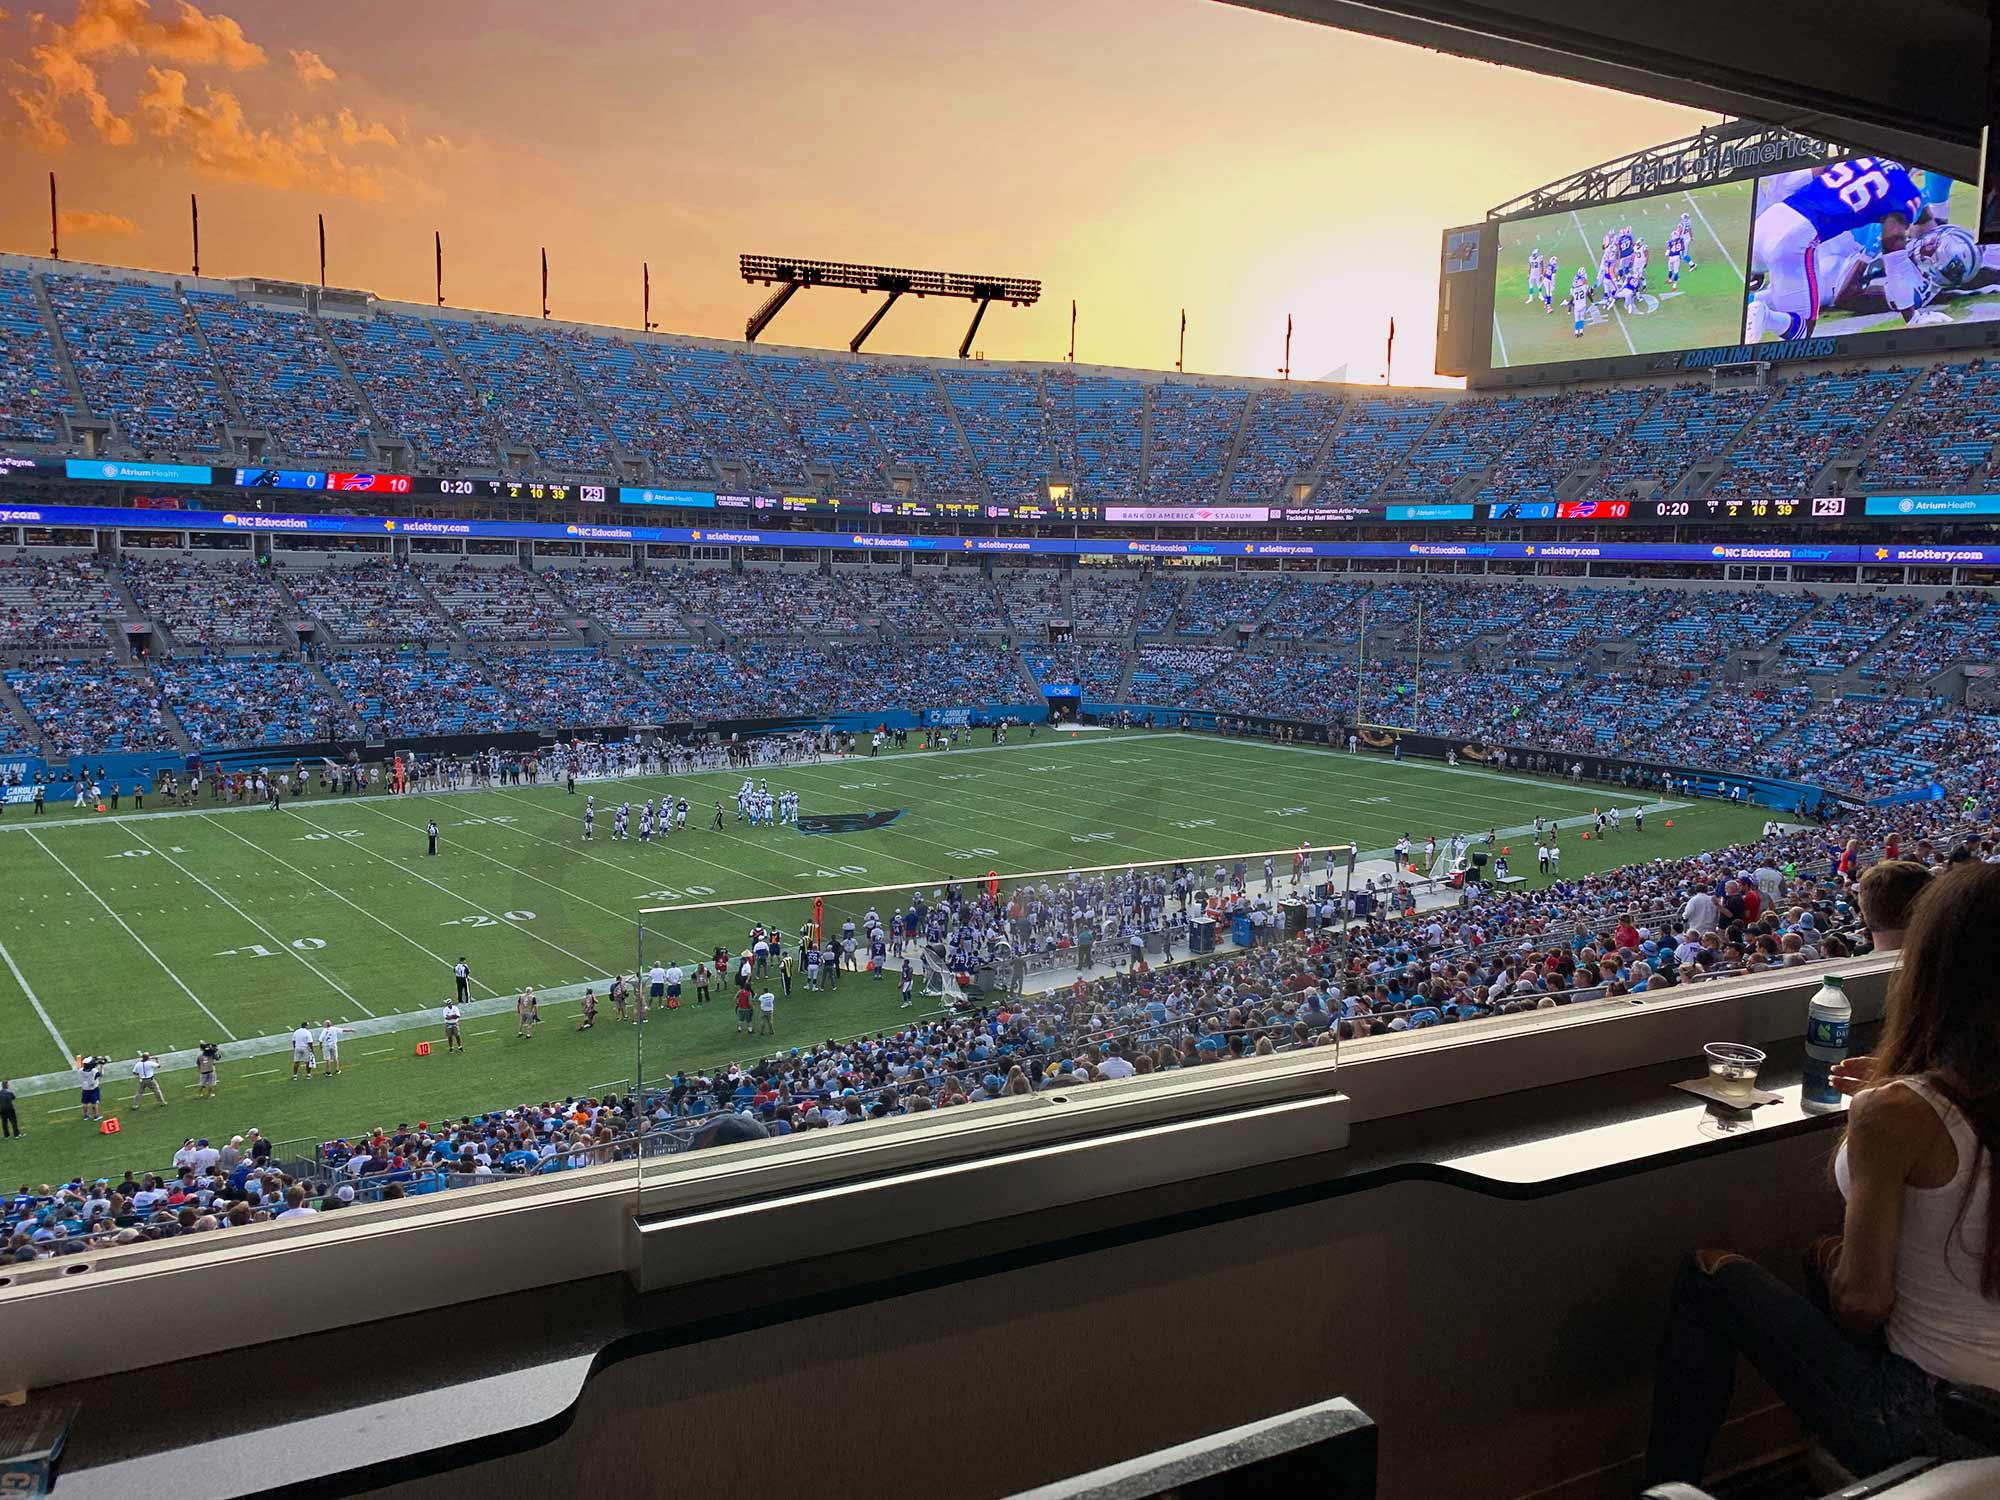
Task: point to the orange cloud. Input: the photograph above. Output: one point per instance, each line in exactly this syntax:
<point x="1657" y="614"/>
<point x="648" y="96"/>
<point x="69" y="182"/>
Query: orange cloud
<point x="354" y="133"/>
<point x="61" y="71"/>
<point x="217" y="138"/>
<point x="125" y="28"/>
<point x="312" y="68"/>
<point x="91" y="221"/>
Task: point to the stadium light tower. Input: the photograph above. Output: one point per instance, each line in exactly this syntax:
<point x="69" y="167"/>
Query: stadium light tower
<point x="789" y="277"/>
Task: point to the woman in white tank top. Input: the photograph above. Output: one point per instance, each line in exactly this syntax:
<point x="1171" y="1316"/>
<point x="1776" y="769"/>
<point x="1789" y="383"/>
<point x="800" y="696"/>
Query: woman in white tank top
<point x="1913" y="1280"/>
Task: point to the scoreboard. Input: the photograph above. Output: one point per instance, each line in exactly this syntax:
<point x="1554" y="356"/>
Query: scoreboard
<point x="1673" y="512"/>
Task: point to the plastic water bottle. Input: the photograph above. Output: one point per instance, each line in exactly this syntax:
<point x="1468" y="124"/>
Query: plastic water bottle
<point x="1826" y="1044"/>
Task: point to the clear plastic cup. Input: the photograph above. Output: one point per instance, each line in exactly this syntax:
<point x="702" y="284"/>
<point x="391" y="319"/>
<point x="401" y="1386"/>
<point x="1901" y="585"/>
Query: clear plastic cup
<point x="1732" y="1067"/>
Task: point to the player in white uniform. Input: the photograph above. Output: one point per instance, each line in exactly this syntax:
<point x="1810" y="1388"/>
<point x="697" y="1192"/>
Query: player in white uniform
<point x="1686" y="228"/>
<point x="1579" y="300"/>
<point x="329" y="1046"/>
<point x="1534" y="273"/>
<point x="589" y="818"/>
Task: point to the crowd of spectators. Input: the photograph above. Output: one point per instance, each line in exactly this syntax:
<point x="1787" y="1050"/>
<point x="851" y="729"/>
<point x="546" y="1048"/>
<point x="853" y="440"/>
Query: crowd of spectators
<point x="496" y="603"/>
<point x="1282" y="437"/>
<point x="138" y="362"/>
<point x="1468" y="436"/>
<point x="56" y="601"/>
<point x="1962" y="626"/>
<point x="284" y="380"/>
<point x="207" y="604"/>
<point x="815" y="410"/>
<point x="165" y="365"/>
<point x="416" y="389"/>
<point x="375" y="602"/>
<point x="1576" y="430"/>
<point x="1192" y="428"/>
<point x="92" y="707"/>
<point x="1943" y="435"/>
<point x="1687" y="424"/>
<point x="905" y="407"/>
<point x="1812" y="419"/>
<point x="32" y="392"/>
<point x="406" y="693"/>
<point x="527" y="393"/>
<point x="631" y="603"/>
<point x="230" y="702"/>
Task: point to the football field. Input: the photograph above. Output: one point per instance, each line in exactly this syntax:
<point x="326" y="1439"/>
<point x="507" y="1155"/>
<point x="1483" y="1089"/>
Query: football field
<point x="1707" y="307"/>
<point x="165" y="929"/>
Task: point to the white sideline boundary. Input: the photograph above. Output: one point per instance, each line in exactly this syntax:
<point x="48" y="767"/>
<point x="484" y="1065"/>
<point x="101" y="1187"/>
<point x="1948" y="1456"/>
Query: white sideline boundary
<point x="148" y="947"/>
<point x="34" y="1000"/>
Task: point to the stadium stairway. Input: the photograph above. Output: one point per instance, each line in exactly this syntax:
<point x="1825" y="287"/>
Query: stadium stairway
<point x="1146" y="395"/>
<point x="1227" y="477"/>
<point x="1582" y="479"/>
<point x="972" y="464"/>
<point x="503" y="445"/>
<point x="1704" y="472"/>
<point x="63" y="361"/>
<point x="377" y="428"/>
<point x="456" y="633"/>
<point x="1839" y="471"/>
<point x="11" y="704"/>
<point x="1316" y="469"/>
<point x="342" y="709"/>
<point x="217" y="370"/>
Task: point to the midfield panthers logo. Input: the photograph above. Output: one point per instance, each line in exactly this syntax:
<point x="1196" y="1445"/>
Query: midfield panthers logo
<point x="850" y="822"/>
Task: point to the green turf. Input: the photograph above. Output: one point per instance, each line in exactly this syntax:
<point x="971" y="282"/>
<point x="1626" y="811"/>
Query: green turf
<point x="1707" y="309"/>
<point x="157" y="948"/>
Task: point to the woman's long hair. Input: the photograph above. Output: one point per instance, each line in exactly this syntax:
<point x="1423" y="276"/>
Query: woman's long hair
<point x="1942" y="1020"/>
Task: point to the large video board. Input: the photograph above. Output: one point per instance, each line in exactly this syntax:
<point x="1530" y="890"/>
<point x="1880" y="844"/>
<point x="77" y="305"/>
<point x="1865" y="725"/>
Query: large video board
<point x="1644" y="276"/>
<point x="1814" y="260"/>
<point x="1865" y="246"/>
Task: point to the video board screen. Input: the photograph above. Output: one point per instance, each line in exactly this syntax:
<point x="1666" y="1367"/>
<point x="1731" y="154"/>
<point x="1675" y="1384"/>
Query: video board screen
<point x="1866" y="245"/>
<point x="1618" y="286"/>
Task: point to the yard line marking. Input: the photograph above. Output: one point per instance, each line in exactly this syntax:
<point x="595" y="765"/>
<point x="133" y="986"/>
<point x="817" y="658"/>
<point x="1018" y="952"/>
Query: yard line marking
<point x="21" y="979"/>
<point x="84" y="886"/>
<point x="1500" y="339"/>
<point x="1696" y="206"/>
<point x="530" y="875"/>
<point x="284" y="946"/>
<point x="307" y="875"/>
<point x="519" y="927"/>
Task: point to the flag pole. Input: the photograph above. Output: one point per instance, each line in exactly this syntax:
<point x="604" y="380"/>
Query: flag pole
<point x="322" y="252"/>
<point x="194" y="225"/>
<point x="55" y="231"/>
<point x="545" y="281"/>
<point x="437" y="239"/>
<point x="1180" y="361"/>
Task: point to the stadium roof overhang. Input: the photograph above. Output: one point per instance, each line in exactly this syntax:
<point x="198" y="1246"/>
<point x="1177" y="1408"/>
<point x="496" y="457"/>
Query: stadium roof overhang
<point x="1909" y="82"/>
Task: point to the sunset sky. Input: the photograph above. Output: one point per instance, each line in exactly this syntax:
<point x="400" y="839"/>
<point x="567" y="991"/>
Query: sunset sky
<point x="1137" y="155"/>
